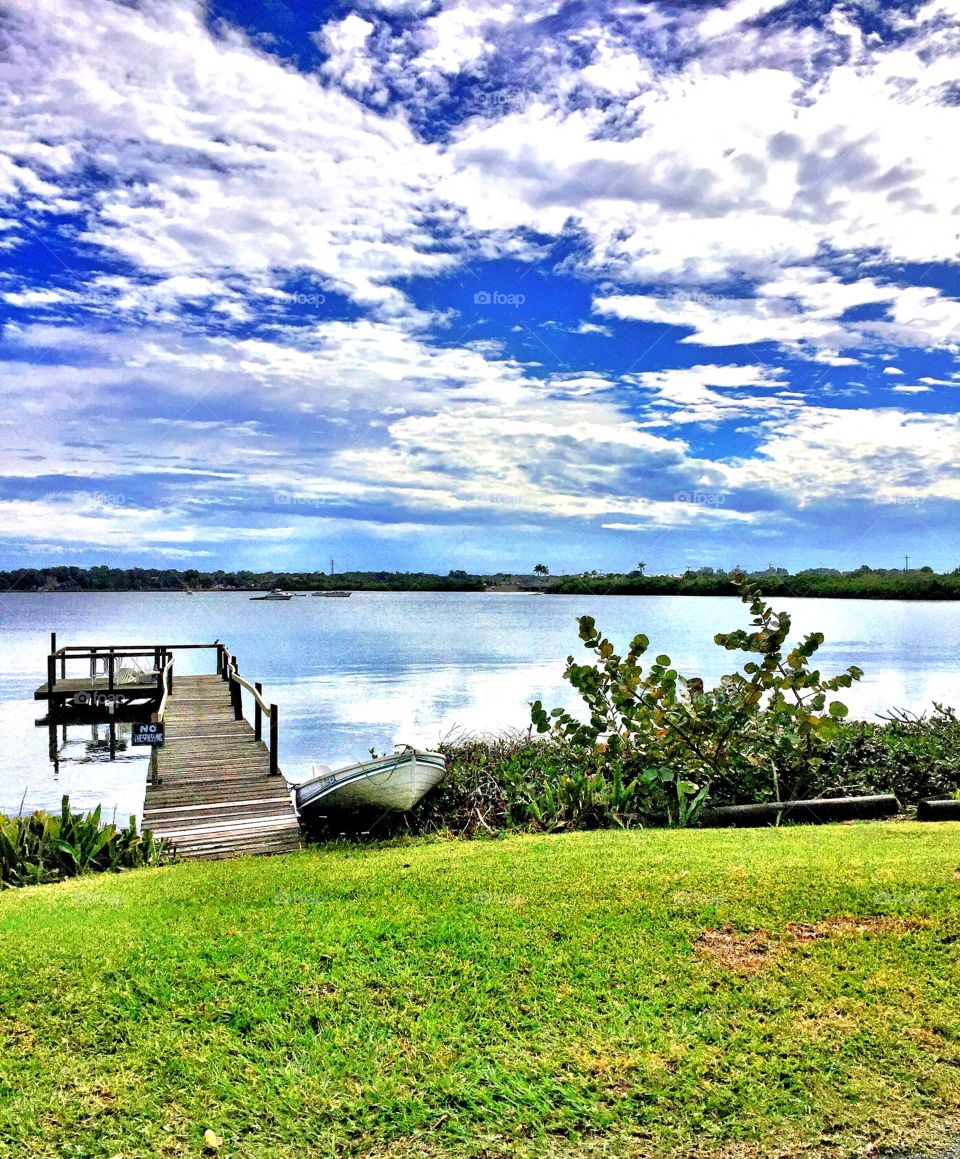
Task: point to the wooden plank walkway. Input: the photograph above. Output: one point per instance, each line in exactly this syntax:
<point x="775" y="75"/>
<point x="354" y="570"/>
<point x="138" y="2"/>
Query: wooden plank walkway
<point x="140" y="685"/>
<point x="214" y="795"/>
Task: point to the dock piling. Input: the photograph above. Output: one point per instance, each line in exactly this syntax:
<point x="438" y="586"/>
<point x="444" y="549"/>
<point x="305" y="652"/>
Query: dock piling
<point x="274" y="740"/>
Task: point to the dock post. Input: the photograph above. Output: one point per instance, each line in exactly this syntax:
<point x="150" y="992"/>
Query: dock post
<point x="63" y="659"/>
<point x="51" y="678"/>
<point x="236" y="694"/>
<point x="274" y="740"/>
<point x="110" y="662"/>
<point x="54" y="749"/>
<point x="257" y="713"/>
<point x="219" y="659"/>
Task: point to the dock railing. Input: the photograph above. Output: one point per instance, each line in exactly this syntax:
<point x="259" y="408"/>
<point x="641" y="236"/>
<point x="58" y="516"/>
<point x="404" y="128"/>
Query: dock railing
<point x="162" y="656"/>
<point x="109" y="656"/>
<point x="229" y="669"/>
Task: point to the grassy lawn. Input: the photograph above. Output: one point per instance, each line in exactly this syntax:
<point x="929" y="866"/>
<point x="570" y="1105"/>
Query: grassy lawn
<point x="766" y="992"/>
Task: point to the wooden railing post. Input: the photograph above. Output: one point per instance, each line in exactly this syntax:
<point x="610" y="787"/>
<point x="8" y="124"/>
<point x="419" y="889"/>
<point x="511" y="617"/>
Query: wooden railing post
<point x="169" y="672"/>
<point x="110" y="662"/>
<point x="51" y="677"/>
<point x="236" y="693"/>
<point x="257" y="713"/>
<point x="219" y="659"/>
<point x="274" y="740"/>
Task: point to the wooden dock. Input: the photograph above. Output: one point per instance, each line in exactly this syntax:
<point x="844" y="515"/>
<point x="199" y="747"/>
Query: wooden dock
<point x="215" y="788"/>
<point x="211" y="791"/>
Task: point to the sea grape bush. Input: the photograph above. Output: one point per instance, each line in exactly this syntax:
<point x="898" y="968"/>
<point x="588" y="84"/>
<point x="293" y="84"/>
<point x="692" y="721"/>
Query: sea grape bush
<point x="44" y="847"/>
<point x="659" y="743"/>
<point x="911" y="755"/>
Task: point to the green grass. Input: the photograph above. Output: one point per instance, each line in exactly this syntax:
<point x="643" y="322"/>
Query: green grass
<point x="532" y="995"/>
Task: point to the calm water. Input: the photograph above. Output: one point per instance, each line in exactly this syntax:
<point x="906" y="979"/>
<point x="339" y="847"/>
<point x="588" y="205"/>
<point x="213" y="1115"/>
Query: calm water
<point x="385" y="668"/>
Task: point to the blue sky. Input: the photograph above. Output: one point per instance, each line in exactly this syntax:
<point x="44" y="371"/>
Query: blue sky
<point x="431" y="284"/>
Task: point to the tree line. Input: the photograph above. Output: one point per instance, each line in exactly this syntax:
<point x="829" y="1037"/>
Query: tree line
<point x="864" y="583"/>
<point x="138" y="579"/>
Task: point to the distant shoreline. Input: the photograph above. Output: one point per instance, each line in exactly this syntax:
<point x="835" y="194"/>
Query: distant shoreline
<point x="918" y="584"/>
<point x="874" y="597"/>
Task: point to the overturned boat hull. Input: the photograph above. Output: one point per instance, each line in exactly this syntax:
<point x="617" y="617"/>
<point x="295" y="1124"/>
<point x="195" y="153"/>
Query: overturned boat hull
<point x="395" y="783"/>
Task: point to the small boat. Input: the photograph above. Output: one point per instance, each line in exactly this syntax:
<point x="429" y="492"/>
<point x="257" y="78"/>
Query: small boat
<point x="276" y="594"/>
<point x="334" y="595"/>
<point x="395" y="782"/>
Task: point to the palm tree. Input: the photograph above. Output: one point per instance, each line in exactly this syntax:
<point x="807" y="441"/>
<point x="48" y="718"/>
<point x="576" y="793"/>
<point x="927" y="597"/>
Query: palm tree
<point x="540" y="569"/>
<point x="640" y="566"/>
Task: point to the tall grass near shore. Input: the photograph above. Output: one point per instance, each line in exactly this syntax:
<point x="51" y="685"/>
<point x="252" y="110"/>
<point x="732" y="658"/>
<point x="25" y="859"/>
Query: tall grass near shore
<point x="44" y="847"/>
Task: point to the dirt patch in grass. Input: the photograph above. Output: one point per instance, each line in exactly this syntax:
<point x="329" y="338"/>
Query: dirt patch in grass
<point x="746" y="953"/>
<point x="752" y="951"/>
<point x="852" y="927"/>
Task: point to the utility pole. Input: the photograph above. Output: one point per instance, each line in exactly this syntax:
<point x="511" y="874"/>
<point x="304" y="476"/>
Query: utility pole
<point x="906" y="563"/>
<point x="331" y="567"/>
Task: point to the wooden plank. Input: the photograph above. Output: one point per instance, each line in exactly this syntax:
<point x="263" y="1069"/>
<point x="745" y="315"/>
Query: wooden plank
<point x="213" y="796"/>
<point x="226" y="807"/>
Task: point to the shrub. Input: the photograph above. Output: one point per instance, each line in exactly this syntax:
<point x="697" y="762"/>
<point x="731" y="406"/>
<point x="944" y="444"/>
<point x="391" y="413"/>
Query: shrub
<point x="660" y="744"/>
<point x="44" y="848"/>
<point x="913" y="756"/>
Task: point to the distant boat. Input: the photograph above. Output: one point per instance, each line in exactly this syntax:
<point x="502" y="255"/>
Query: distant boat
<point x="334" y="595"/>
<point x="276" y="594"/>
<point x="396" y="782"/>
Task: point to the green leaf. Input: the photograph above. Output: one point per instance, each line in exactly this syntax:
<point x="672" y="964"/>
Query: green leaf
<point x="838" y="710"/>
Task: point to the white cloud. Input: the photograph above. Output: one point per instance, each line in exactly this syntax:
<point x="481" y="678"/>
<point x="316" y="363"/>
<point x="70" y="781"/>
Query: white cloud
<point x="689" y="395"/>
<point x="802" y="311"/>
<point x="349" y="62"/>
<point x="883" y="456"/>
<point x="215" y="158"/>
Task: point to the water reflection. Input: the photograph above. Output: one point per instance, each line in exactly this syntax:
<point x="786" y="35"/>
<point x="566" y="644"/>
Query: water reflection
<point x="92" y="764"/>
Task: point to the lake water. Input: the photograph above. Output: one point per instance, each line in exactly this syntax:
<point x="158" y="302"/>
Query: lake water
<point x="386" y="668"/>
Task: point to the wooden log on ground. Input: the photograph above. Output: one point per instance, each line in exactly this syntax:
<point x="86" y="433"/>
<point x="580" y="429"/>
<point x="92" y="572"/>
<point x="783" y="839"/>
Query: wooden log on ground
<point x="946" y="809"/>
<point x="818" y="811"/>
